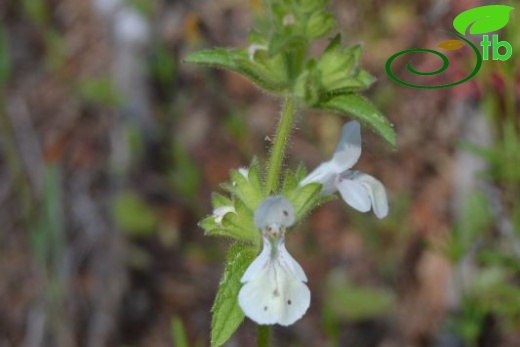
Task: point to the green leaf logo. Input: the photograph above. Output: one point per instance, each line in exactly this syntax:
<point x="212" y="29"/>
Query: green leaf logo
<point x="483" y="19"/>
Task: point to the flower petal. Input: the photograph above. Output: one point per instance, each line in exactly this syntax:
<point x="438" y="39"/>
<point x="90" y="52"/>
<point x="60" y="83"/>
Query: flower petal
<point x="274" y="210"/>
<point x="354" y="194"/>
<point x="348" y="149"/>
<point x="323" y="174"/>
<point x="274" y="292"/>
<point x="287" y="258"/>
<point x="375" y="190"/>
<point x="258" y="264"/>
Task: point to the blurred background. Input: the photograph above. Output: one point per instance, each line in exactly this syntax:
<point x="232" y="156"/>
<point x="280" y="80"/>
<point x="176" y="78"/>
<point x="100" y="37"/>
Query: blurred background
<point x="110" y="147"/>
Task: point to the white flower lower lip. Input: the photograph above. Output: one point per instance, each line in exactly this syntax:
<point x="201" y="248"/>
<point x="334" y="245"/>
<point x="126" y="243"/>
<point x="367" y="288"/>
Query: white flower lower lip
<point x="359" y="190"/>
<point x="274" y="291"/>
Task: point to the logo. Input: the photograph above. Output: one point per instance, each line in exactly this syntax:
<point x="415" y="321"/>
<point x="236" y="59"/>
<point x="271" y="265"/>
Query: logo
<point x="479" y="20"/>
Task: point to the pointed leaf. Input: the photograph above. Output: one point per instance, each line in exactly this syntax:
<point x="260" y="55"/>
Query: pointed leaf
<point x="249" y="191"/>
<point x="483" y="19"/>
<point x="336" y="60"/>
<point x="319" y="24"/>
<point x="267" y="75"/>
<point x="211" y="228"/>
<point x="290" y="183"/>
<point x="219" y="200"/>
<point x="237" y="225"/>
<point x="227" y="314"/>
<point x="242" y="223"/>
<point x="361" y="109"/>
<point x="300" y="172"/>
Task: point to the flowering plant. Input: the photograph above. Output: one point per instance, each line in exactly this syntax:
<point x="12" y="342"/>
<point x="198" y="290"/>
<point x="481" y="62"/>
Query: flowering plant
<point x="261" y="279"/>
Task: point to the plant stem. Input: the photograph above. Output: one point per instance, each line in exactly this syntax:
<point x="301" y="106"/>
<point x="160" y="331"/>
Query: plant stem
<point x="263" y="336"/>
<point x="280" y="142"/>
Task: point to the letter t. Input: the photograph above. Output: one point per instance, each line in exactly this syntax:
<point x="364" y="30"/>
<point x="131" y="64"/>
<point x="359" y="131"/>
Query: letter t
<point x="485" y="43"/>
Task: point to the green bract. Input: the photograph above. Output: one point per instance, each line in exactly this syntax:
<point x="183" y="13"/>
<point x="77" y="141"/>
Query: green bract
<point x="246" y="192"/>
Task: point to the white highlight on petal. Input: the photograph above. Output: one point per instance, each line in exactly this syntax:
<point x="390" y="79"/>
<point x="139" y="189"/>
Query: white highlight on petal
<point x="274" y="292"/>
<point x="274" y="211"/>
<point x="221" y="211"/>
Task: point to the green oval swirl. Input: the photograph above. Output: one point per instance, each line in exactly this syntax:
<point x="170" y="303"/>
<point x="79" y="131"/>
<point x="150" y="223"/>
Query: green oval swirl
<point x="445" y="65"/>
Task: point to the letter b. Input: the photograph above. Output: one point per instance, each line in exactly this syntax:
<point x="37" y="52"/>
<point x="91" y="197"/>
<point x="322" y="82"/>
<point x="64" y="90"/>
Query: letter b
<point x="497" y="44"/>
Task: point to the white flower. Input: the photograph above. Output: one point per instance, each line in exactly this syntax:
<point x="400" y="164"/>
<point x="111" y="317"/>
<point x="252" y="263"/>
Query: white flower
<point x="359" y="190"/>
<point x="221" y="211"/>
<point x="274" y="291"/>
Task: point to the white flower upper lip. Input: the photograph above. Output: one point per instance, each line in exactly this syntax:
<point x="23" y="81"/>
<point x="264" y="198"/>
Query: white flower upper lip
<point x="359" y="190"/>
<point x="274" y="211"/>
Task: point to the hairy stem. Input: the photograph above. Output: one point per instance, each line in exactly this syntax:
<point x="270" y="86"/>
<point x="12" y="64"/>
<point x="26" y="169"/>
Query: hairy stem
<point x="263" y="336"/>
<point x="280" y="142"/>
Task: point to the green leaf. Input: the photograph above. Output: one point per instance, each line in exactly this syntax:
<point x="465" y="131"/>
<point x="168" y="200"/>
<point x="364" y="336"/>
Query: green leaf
<point x="250" y="191"/>
<point x="219" y="200"/>
<point x="238" y="226"/>
<point x="336" y="60"/>
<point x="255" y="178"/>
<point x="483" y="19"/>
<point x="290" y="183"/>
<point x="307" y="84"/>
<point x="242" y="223"/>
<point x="301" y="172"/>
<point x="337" y="73"/>
<point x="319" y="24"/>
<point x="304" y="199"/>
<point x="268" y="74"/>
<point x="361" y="109"/>
<point x="227" y="314"/>
<point x="347" y="85"/>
